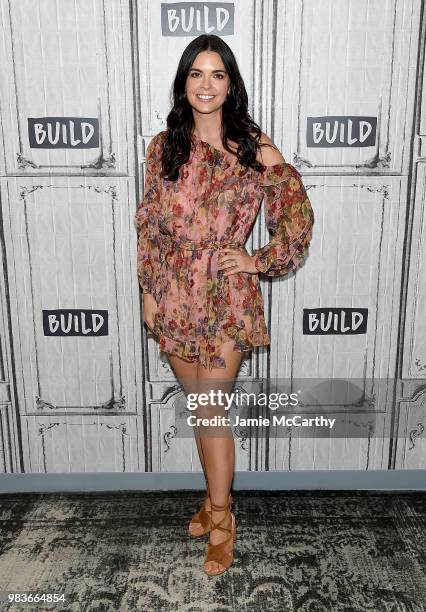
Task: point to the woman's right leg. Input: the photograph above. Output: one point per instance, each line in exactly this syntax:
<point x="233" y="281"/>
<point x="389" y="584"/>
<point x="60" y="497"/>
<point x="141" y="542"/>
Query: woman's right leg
<point x="186" y="373"/>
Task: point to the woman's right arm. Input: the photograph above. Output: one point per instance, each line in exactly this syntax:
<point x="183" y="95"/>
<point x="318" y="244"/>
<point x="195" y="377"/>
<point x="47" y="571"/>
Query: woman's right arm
<point x="146" y="222"/>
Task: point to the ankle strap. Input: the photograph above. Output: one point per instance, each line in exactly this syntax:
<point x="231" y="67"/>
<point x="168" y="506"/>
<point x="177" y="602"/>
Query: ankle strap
<point x="217" y="508"/>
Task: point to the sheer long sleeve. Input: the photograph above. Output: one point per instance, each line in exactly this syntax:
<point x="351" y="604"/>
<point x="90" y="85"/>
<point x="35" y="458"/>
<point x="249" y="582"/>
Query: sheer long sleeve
<point x="147" y="223"/>
<point x="289" y="218"/>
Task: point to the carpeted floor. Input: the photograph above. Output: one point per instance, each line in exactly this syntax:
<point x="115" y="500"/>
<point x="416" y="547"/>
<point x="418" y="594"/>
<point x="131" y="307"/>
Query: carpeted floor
<point x="295" y="551"/>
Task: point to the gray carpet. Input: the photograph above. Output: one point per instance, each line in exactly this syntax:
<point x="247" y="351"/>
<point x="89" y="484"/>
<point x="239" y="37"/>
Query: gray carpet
<point x="295" y="551"/>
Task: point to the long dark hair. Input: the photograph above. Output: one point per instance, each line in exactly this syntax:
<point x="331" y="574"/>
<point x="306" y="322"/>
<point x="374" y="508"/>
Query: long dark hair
<point x="237" y="125"/>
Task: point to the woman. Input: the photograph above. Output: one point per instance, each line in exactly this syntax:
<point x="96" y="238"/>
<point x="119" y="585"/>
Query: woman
<point x="206" y="176"/>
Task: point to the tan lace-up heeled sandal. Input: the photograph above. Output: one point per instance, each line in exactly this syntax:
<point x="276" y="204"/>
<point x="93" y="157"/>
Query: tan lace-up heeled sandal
<point x="204" y="517"/>
<point x="222" y="553"/>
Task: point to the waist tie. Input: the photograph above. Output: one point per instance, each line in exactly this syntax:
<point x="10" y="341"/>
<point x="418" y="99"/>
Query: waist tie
<point x="210" y="342"/>
<point x="203" y="245"/>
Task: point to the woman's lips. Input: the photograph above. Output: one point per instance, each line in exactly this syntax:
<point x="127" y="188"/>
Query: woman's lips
<point x="209" y="99"/>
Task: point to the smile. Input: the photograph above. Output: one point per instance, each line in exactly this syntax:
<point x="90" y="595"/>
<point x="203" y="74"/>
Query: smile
<point x="205" y="98"/>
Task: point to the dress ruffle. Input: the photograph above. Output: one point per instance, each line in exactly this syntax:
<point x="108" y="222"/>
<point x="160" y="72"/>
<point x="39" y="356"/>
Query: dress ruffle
<point x="209" y="355"/>
<point x="289" y="218"/>
<point x="278" y="173"/>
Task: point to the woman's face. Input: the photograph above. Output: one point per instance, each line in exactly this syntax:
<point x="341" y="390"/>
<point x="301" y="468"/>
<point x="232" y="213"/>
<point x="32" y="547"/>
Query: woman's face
<point x="207" y="83"/>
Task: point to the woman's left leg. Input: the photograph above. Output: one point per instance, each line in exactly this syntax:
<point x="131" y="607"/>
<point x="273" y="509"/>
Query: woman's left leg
<point x="218" y="441"/>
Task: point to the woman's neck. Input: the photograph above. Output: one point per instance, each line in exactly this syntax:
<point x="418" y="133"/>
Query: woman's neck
<point x="208" y="127"/>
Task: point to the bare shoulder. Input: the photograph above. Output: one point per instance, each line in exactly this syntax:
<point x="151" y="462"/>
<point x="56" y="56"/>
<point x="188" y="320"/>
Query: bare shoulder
<point x="269" y="154"/>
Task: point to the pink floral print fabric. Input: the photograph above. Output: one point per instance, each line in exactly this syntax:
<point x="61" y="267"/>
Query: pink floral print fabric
<point x="183" y="225"/>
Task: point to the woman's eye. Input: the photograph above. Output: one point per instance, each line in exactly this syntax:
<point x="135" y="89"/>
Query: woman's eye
<point x="196" y="74"/>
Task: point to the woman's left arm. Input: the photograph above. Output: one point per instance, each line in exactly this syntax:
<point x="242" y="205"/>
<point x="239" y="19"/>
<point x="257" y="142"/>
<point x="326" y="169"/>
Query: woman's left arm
<point x="289" y="218"/>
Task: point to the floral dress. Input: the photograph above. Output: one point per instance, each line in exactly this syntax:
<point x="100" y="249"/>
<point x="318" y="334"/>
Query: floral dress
<point x="183" y="225"/>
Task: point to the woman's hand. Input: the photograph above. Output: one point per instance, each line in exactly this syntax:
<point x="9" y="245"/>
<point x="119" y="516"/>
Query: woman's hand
<point x="150" y="307"/>
<point x="236" y="260"/>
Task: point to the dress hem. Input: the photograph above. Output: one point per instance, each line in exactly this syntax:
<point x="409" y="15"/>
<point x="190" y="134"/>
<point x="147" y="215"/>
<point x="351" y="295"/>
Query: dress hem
<point x="190" y="350"/>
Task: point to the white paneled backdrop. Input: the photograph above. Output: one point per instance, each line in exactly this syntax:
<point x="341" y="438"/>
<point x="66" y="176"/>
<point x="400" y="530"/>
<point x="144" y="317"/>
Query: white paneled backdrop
<point x="99" y="396"/>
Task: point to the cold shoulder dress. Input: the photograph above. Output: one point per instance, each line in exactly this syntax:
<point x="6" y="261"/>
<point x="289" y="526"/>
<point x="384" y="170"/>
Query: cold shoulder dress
<point x="182" y="226"/>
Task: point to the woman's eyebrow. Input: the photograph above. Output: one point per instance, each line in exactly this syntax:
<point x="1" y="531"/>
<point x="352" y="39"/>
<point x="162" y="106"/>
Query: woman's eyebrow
<point x="199" y="70"/>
